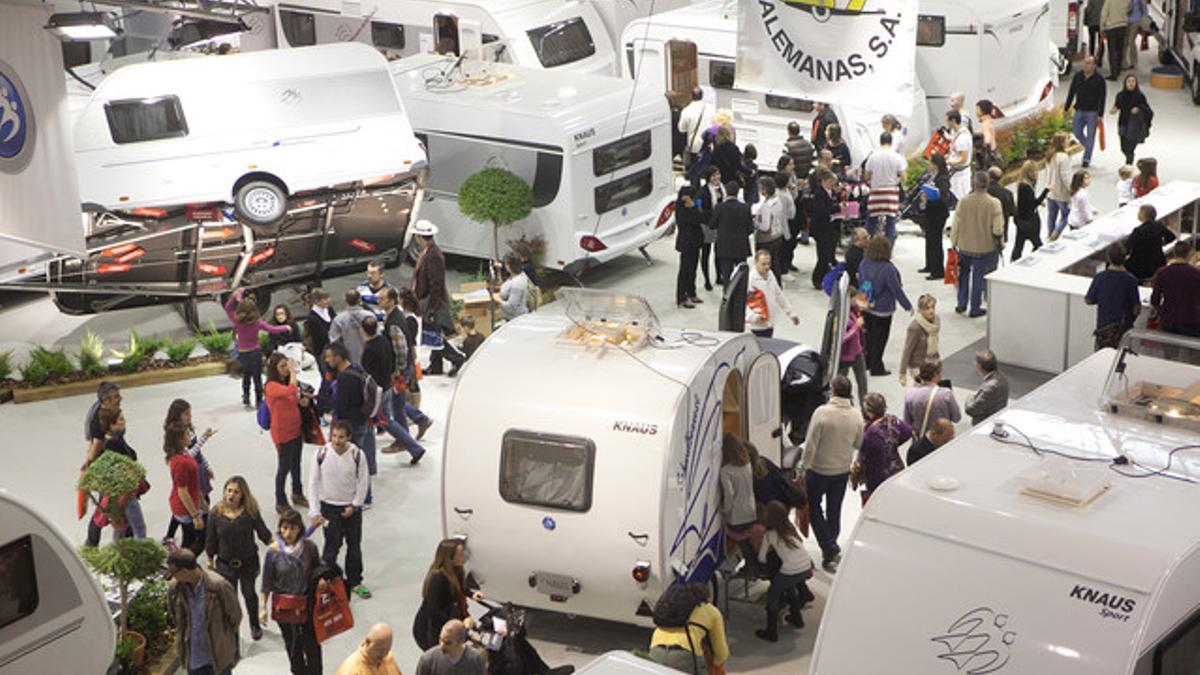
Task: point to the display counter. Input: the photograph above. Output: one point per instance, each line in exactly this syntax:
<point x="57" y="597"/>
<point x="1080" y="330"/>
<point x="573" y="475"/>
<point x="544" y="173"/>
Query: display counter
<point x="1037" y="317"/>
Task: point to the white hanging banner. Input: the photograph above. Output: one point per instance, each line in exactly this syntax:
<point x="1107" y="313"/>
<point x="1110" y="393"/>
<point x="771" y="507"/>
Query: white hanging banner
<point x="851" y="52"/>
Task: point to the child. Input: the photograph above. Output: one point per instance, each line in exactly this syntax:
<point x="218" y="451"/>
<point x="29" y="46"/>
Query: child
<point x="473" y="339"/>
<point x="796" y="567"/>
<point x="1082" y="211"/>
<point x="1124" y="185"/>
<point x="1147" y="178"/>
<point x="247" y="321"/>
<point x="852" y="346"/>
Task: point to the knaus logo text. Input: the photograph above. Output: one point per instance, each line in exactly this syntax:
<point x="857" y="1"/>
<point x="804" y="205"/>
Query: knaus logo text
<point x="831" y="15"/>
<point x="635" y="428"/>
<point x="1112" y="606"/>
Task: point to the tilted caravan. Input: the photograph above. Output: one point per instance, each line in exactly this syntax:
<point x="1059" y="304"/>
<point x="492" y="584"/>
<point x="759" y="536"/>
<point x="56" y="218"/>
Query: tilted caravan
<point x="247" y="129"/>
<point x="994" y="555"/>
<point x="552" y="34"/>
<point x="595" y="152"/>
<point x="1177" y="26"/>
<point x="595" y="503"/>
<point x="53" y="616"/>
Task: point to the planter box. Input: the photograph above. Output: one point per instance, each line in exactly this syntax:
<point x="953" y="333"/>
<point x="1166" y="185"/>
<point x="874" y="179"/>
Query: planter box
<point x="139" y="379"/>
<point x="166" y="664"/>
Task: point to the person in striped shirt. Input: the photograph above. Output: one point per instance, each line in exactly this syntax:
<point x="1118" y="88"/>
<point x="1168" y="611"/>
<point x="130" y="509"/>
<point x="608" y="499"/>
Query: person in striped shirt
<point x="884" y="171"/>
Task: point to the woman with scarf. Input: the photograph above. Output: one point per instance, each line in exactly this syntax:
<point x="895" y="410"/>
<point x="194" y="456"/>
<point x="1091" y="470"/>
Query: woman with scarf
<point x="1134" y="116"/>
<point x="921" y="341"/>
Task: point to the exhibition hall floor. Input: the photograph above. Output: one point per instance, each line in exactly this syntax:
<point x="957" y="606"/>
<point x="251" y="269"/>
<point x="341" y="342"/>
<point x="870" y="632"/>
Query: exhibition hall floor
<point x="43" y="444"/>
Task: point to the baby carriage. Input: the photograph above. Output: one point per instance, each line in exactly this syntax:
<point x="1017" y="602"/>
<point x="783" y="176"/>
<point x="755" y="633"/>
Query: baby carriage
<point x="914" y="200"/>
<point x="501" y="631"/>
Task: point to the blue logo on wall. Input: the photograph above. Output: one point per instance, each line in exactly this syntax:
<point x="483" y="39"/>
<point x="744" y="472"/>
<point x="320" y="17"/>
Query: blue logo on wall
<point x="17" y="123"/>
<point x="549" y="523"/>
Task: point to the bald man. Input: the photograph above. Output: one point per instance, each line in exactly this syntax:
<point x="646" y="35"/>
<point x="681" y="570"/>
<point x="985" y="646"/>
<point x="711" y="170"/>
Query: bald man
<point x="940" y="432"/>
<point x="374" y="655"/>
<point x="956" y="101"/>
<point x="451" y="655"/>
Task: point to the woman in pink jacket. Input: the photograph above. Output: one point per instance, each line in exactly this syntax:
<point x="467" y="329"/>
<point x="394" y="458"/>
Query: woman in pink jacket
<point x="247" y="321"/>
<point x="852" y="346"/>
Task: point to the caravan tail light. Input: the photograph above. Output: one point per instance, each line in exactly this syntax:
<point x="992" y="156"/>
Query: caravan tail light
<point x="219" y="233"/>
<point x="262" y="255"/>
<point x="131" y="255"/>
<point x="641" y="572"/>
<point x="1072" y="20"/>
<point x="110" y="268"/>
<point x="592" y="244"/>
<point x="1046" y="91"/>
<point x="150" y="213"/>
<point x="667" y="212"/>
<point x="362" y="245"/>
<point x="115" y="251"/>
<point x="209" y="268"/>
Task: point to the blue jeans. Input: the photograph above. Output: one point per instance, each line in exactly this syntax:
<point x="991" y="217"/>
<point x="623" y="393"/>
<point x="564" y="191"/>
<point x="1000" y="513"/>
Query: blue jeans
<point x="364" y="437"/>
<point x="826" y="522"/>
<point x="782" y="583"/>
<point x="972" y="269"/>
<point x="251" y="363"/>
<point x="1056" y="215"/>
<point x="134" y="518"/>
<point x="208" y="670"/>
<point x="889" y="226"/>
<point x="397" y="411"/>
<point x="1083" y="126"/>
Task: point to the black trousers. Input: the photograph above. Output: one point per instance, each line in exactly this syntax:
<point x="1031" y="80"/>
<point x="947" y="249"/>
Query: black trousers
<point x="827" y="240"/>
<point x="288" y="461"/>
<point x="303" y="650"/>
<point x="243" y="577"/>
<point x="787" y="252"/>
<point x="725" y="267"/>
<point x="705" y="255"/>
<point x="449" y="353"/>
<point x="1095" y="48"/>
<point x="935" y="255"/>
<point x="878" y="328"/>
<point x="193" y="539"/>
<point x="1027" y="233"/>
<point x="1116" y="51"/>
<point x="685" y="282"/>
<point x="1128" y="146"/>
<point x="348" y="530"/>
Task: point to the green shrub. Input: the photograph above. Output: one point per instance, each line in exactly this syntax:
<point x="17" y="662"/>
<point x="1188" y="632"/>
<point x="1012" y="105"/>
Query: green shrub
<point x="45" y="365"/>
<point x="6" y="364"/>
<point x="216" y="342"/>
<point x="916" y="168"/>
<point x="125" y="560"/>
<point x="148" y="609"/>
<point x="263" y="340"/>
<point x="91" y="352"/>
<point x="125" y="648"/>
<point x="180" y="351"/>
<point x="496" y="196"/>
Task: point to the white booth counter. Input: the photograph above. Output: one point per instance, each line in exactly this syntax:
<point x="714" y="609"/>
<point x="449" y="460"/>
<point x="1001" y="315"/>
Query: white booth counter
<point x="1037" y="317"/>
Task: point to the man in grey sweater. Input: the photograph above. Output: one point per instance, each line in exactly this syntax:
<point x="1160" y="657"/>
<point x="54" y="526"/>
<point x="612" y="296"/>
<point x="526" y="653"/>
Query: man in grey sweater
<point x="834" y="434"/>
<point x="451" y="655"/>
<point x="346" y="328"/>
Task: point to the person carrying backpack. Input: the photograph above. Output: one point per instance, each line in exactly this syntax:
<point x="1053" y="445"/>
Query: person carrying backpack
<point x="338" y="482"/>
<point x="687" y="625"/>
<point x="356" y="398"/>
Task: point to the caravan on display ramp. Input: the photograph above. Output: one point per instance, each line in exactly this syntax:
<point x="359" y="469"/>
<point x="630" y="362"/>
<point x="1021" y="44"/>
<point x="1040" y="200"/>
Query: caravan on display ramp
<point x="595" y="150"/>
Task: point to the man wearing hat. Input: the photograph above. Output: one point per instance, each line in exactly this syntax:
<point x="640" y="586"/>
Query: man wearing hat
<point x="429" y="285"/>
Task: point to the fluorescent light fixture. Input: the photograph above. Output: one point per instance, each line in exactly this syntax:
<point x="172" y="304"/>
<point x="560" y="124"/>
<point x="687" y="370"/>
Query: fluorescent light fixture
<point x="82" y="26"/>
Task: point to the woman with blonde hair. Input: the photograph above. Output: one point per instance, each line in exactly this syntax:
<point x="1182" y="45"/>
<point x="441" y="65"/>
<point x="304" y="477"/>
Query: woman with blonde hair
<point x="444" y="593"/>
<point x="1029" y="223"/>
<point x="230" y="543"/>
<point x="727" y="157"/>
<point x="1059" y="183"/>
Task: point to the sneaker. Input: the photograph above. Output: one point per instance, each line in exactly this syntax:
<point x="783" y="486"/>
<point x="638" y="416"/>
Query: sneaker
<point x="960" y="310"/>
<point x="416" y="458"/>
<point x="423" y="427"/>
<point x="362" y="592"/>
<point x="299" y="500"/>
<point x="392" y="449"/>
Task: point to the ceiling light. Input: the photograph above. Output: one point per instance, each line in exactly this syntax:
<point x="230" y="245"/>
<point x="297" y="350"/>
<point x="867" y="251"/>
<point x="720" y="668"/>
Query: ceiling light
<point x="82" y="26"/>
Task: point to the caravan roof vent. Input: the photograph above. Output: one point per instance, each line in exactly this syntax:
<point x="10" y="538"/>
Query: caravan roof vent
<point x="608" y="318"/>
<point x="1065" y="483"/>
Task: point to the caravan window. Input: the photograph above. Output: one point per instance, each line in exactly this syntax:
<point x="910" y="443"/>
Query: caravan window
<point x="931" y="31"/>
<point x="622" y="191"/>
<point x="145" y="119"/>
<point x="454" y="159"/>
<point x="1179" y="653"/>
<point x="18" y="581"/>
<point x="299" y="28"/>
<point x="387" y="35"/>
<point x="547" y="470"/>
<point x="620" y="154"/>
<point x="558" y="44"/>
<point x="721" y="74"/>
<point x="788" y="103"/>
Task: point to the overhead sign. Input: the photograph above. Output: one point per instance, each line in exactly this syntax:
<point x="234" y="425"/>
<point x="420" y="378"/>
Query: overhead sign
<point x="852" y="52"/>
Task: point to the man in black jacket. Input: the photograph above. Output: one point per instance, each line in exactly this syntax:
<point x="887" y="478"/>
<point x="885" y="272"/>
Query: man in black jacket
<point x="824" y="230"/>
<point x="1087" y="92"/>
<point x="395" y="408"/>
<point x="734" y="225"/>
<point x="377" y="359"/>
<point x="800" y="150"/>
<point x="348" y="402"/>
<point x="1007" y="204"/>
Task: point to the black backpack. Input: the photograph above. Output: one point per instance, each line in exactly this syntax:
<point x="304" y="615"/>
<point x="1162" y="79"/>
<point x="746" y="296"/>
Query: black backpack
<point x="674" y="608"/>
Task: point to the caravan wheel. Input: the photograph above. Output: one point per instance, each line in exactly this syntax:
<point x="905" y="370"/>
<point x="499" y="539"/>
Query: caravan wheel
<point x="260" y="203"/>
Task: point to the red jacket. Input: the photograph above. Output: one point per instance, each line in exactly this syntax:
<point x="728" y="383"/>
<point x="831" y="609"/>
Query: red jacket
<point x="284" y="403"/>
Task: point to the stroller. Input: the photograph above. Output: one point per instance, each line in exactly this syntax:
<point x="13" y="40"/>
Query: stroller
<point x="501" y="632"/>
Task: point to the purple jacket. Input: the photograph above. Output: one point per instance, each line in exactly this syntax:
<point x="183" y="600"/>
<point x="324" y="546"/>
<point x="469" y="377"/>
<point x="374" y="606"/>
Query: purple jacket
<point x="247" y="333"/>
<point x="881" y="442"/>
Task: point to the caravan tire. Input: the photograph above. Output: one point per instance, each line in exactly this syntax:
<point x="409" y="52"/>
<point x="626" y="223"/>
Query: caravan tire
<point x="260" y="203"/>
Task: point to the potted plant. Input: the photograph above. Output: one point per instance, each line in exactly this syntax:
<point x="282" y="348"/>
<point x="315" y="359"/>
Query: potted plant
<point x="107" y="480"/>
<point x="497" y="196"/>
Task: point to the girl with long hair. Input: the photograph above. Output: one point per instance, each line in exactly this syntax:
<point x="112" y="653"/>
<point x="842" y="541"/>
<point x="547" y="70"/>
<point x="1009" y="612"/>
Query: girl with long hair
<point x="444" y="593"/>
<point x="247" y="322"/>
<point x="795" y="567"/>
<point x="1082" y="211"/>
<point x="1059" y="183"/>
<point x="282" y="316"/>
<point x="230" y="543"/>
<point x="187" y="505"/>
<point x="287" y="428"/>
<point x="1029" y="222"/>
<point x="180" y="412"/>
<point x="937" y="212"/>
<point x="1147" y="177"/>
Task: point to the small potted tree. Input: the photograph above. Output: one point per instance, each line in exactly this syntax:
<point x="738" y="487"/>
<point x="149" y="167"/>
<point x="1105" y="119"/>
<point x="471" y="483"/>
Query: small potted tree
<point x="107" y="481"/>
<point x="497" y="196"/>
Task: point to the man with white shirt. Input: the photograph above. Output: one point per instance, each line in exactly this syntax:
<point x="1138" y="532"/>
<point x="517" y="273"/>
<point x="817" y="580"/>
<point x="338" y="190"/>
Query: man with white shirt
<point x="770" y="225"/>
<point x="337" y="486"/>
<point x="958" y="158"/>
<point x="693" y="120"/>
<point x="884" y="171"/>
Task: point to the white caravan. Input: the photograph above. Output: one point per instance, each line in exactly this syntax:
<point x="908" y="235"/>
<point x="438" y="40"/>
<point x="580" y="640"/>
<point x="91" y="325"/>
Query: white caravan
<point x="1178" y="25"/>
<point x="582" y="454"/>
<point x="251" y="129"/>
<point x="624" y="663"/>
<point x="595" y="152"/>
<point x="53" y="616"/>
<point x="552" y="34"/>
<point x="1066" y="29"/>
<point x="994" y="49"/>
<point x="991" y="556"/>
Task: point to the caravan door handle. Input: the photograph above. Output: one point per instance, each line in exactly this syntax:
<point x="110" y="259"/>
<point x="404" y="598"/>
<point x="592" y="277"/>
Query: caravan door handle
<point x="464" y="513"/>
<point x="641" y="539"/>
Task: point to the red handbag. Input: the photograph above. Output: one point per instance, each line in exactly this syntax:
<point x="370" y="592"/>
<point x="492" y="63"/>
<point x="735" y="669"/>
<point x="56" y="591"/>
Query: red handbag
<point x="331" y="611"/>
<point x="287" y="608"/>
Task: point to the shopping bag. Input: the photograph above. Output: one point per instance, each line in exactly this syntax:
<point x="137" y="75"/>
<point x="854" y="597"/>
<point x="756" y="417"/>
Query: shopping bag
<point x="331" y="611"/>
<point x="1100" y="129"/>
<point x="951" y="267"/>
<point x="287" y="608"/>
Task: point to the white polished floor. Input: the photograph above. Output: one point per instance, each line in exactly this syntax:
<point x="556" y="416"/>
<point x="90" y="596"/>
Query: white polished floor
<point x="42" y="442"/>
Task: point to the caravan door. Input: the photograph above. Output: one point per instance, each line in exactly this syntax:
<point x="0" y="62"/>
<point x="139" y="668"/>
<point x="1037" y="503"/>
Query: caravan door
<point x="762" y="407"/>
<point x="648" y="64"/>
<point x="299" y="26"/>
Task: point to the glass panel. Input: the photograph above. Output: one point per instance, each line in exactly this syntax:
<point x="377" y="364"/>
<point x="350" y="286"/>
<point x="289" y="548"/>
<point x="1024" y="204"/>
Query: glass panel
<point x="721" y="74"/>
<point x="299" y="28"/>
<point x="622" y="191"/>
<point x="931" y="31"/>
<point x="445" y="31"/>
<point x="547" y="178"/>
<point x="387" y="35"/>
<point x="18" y="581"/>
<point x="558" y="44"/>
<point x="148" y="119"/>
<point x="788" y="103"/>
<point x="1179" y="653"/>
<point x="547" y="470"/>
<point x="620" y="154"/>
<point x="453" y="160"/>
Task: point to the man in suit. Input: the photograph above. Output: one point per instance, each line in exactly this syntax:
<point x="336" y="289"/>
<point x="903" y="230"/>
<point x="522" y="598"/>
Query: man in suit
<point x="734" y="225"/>
<point x="992" y="395"/>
